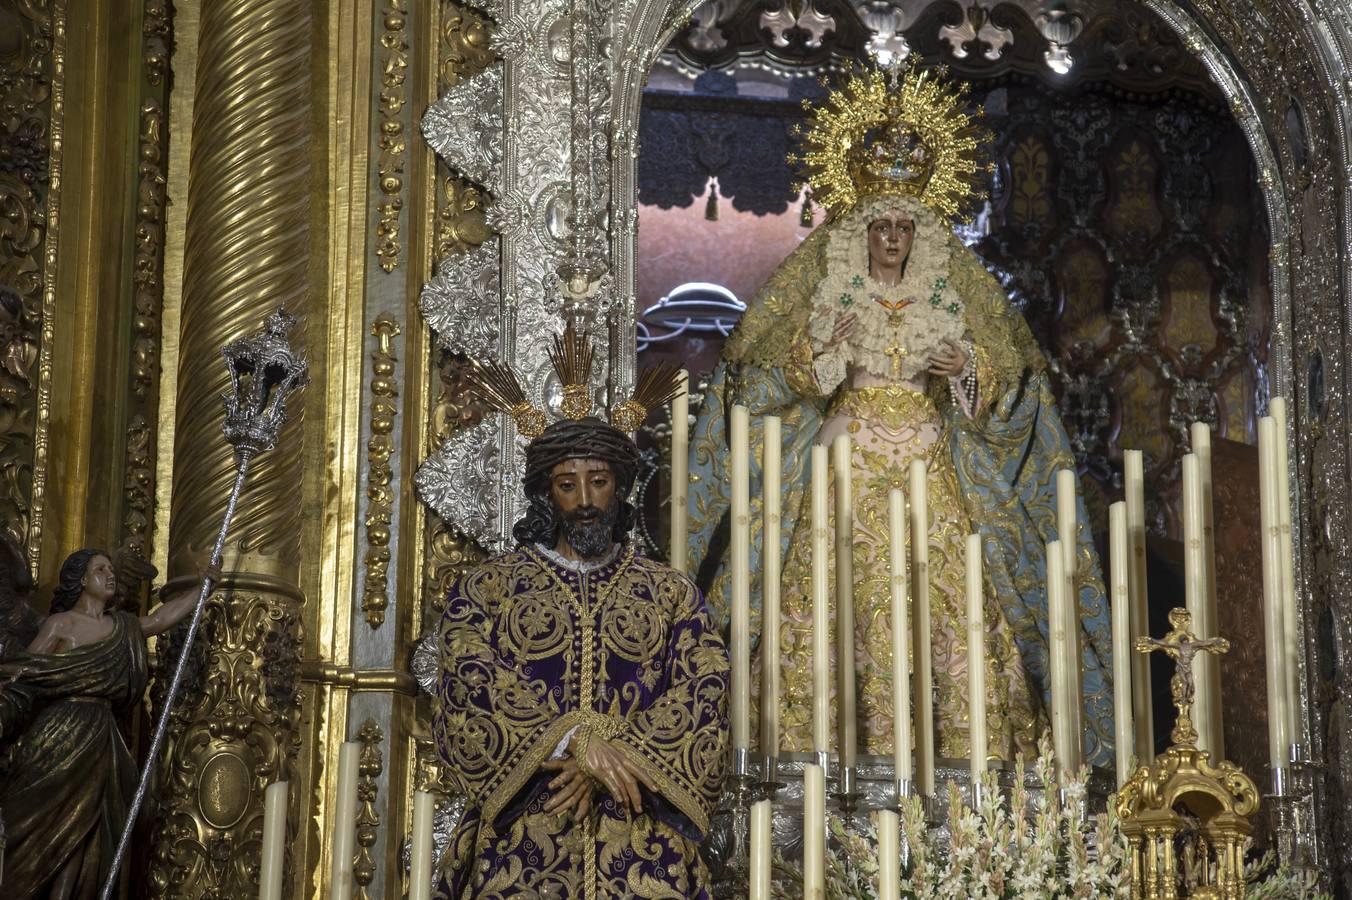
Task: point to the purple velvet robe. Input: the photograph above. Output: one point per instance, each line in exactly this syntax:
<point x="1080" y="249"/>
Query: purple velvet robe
<point x="529" y="648"/>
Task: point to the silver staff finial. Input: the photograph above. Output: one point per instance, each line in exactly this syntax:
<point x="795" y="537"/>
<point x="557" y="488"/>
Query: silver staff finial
<point x="264" y="370"/>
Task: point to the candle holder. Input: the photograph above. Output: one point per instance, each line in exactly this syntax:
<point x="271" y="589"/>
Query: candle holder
<point x="1292" y="813"/>
<point x="906" y="789"/>
<point x="746" y="787"/>
<point x="769" y="785"/>
<point x="847" y="794"/>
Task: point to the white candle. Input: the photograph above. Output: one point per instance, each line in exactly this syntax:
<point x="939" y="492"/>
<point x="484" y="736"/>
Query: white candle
<point x="272" y="855"/>
<point x="1210" y="662"/>
<point x="1068" y="534"/>
<point x="1142" y="714"/>
<point x="1206" y="702"/>
<point x="1290" y="623"/>
<point x="901" y="636"/>
<point x="1274" y="647"/>
<point x="922" y="647"/>
<point x="1119" y="555"/>
<point x="760" y="850"/>
<point x="814" y="832"/>
<point x="889" y="855"/>
<point x="770" y="571"/>
<point x="843" y="465"/>
<point x="1059" y="660"/>
<point x="420" y="863"/>
<point x="740" y="465"/>
<point x="345" y="823"/>
<point x="680" y="472"/>
<point x="976" y="659"/>
<point x="821" y="604"/>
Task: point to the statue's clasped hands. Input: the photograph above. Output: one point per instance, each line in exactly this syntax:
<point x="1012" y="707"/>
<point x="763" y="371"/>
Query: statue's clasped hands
<point x="602" y="763"/>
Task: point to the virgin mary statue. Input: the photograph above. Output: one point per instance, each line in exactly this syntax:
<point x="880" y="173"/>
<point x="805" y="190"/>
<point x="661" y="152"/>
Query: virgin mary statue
<point x="882" y="325"/>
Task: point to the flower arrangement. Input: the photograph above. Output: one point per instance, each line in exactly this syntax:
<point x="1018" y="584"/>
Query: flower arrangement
<point x="1019" y="848"/>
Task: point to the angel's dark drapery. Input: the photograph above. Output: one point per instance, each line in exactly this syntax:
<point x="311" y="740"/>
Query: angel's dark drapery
<point x="67" y="776"/>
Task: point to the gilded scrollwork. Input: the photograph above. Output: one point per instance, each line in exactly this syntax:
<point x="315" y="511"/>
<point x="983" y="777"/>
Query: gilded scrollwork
<point x="157" y="36"/>
<point x="461" y="219"/>
<point x="380" y="474"/>
<point x="147" y="301"/>
<point x="370" y="765"/>
<point x="235" y="731"/>
<point x="466" y="41"/>
<point x="28" y="76"/>
<point x="393" y="145"/>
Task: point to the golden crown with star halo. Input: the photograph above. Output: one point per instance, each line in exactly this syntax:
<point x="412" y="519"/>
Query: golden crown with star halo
<point x="902" y="132"/>
<point x="572" y="355"/>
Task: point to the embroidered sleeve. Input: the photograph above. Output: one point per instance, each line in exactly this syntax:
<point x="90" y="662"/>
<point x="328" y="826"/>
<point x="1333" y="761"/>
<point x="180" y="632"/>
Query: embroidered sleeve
<point x="681" y="739"/>
<point x="493" y="726"/>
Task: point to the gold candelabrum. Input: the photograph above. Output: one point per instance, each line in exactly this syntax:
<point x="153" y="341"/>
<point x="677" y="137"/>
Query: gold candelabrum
<point x="1182" y="793"/>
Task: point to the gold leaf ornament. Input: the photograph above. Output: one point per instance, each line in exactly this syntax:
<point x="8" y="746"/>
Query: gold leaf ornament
<point x="905" y="132"/>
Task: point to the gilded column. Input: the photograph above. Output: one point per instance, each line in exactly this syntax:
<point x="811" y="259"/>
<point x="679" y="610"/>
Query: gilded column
<point x="247" y="248"/>
<point x="246" y="251"/>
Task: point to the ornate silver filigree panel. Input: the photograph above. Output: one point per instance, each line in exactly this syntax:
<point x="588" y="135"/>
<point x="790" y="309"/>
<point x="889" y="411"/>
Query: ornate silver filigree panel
<point x="461" y="302"/>
<point x="457" y="481"/>
<point x="464" y="127"/>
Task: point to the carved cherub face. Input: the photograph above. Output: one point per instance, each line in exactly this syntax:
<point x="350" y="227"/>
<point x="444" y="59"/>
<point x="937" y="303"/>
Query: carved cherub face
<point x="889" y="240"/>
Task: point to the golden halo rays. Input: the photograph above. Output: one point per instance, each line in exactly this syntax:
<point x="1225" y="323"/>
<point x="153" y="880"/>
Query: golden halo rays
<point x="943" y="150"/>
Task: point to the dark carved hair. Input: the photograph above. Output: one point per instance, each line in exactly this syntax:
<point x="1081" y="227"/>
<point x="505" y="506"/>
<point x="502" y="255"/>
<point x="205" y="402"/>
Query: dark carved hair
<point x="574" y="439"/>
<point x="70" y="583"/>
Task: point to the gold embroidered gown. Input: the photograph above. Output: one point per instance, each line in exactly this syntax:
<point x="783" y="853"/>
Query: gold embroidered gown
<point x="991" y="463"/>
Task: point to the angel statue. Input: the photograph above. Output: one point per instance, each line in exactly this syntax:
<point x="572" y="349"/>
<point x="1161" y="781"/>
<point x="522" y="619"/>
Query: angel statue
<point x="884" y="326"/>
<point x="66" y="775"/>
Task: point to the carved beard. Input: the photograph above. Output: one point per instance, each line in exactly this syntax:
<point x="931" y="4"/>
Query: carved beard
<point x="589" y="531"/>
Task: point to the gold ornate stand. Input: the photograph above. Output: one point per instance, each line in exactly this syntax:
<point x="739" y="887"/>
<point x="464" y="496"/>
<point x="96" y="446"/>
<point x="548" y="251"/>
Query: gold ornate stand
<point x="1182" y="795"/>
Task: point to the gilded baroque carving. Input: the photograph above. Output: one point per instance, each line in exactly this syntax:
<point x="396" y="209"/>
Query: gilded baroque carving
<point x="461" y="223"/>
<point x="466" y="41"/>
<point x="157" y="35"/>
<point x="235" y="731"/>
<point x="147" y="302"/>
<point x="27" y="157"/>
<point x="369" y="766"/>
<point x="393" y="145"/>
<point x="379" y="473"/>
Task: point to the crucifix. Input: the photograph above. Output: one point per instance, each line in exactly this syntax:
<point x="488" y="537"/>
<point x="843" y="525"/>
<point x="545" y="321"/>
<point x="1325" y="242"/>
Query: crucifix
<point x="1182" y="645"/>
<point x="896" y="352"/>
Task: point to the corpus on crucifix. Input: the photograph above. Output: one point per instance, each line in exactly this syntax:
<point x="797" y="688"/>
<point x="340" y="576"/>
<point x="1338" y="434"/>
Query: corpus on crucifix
<point x="1182" y="645"/>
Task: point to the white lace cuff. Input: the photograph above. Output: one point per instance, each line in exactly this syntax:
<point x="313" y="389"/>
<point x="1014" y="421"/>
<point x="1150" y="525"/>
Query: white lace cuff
<point x="561" y="749"/>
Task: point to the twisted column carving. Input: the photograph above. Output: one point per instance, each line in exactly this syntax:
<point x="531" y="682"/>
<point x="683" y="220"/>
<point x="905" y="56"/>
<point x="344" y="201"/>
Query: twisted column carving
<point x="246" y="251"/>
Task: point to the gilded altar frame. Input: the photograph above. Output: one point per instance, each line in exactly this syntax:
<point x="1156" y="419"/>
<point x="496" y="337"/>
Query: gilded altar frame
<point x="396" y="228"/>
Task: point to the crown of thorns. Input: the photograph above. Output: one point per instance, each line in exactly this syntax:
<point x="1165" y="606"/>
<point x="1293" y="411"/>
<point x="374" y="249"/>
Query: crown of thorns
<point x="572" y="355"/>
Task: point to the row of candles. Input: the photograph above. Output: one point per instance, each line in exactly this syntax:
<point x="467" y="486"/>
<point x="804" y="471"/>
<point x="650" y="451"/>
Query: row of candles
<point x="910" y="581"/>
<point x="1133" y="733"/>
<point x="342" y="881"/>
